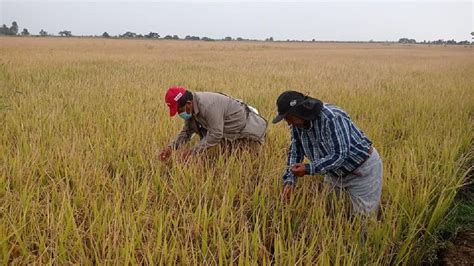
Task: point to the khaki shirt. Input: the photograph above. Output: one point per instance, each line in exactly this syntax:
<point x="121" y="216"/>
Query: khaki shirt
<point x="221" y="117"/>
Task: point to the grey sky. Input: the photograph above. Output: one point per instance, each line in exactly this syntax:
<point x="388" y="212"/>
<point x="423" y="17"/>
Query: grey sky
<point x="336" y="20"/>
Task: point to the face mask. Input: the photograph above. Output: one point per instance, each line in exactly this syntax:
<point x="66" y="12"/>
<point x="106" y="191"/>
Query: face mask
<point x="185" y="115"/>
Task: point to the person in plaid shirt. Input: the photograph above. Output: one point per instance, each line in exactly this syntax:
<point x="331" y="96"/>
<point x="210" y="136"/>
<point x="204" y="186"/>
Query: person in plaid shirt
<point x="335" y="147"/>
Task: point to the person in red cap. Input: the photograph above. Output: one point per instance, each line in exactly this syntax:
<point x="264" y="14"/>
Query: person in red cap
<point x="215" y="117"/>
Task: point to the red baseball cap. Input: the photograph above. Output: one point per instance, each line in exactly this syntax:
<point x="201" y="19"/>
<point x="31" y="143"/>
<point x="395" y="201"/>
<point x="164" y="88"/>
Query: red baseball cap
<point x="172" y="96"/>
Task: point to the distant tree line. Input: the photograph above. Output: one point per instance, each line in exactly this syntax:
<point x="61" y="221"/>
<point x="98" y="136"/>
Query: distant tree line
<point x="440" y="41"/>
<point x="13" y="30"/>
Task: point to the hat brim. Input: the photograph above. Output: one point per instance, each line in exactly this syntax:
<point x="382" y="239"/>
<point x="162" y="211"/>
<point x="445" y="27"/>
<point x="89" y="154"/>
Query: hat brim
<point x="278" y="118"/>
<point x="173" y="110"/>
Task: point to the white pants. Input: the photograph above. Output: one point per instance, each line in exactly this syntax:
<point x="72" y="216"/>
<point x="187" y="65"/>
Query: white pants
<point x="364" y="185"/>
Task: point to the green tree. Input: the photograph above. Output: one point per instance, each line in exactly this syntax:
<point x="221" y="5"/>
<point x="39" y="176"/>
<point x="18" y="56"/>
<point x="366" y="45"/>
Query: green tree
<point x="43" y="33"/>
<point x="152" y="35"/>
<point x="66" y="33"/>
<point x="4" y="30"/>
<point x="14" y="28"/>
<point x="105" y="35"/>
<point x="25" y="32"/>
<point x="129" y="34"/>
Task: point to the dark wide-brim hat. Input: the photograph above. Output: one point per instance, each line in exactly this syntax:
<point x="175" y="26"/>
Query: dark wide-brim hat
<point x="296" y="103"/>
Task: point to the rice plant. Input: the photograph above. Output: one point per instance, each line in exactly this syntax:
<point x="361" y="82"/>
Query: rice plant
<point x="82" y="122"/>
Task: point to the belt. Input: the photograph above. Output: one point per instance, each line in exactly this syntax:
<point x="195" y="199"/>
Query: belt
<point x="371" y="149"/>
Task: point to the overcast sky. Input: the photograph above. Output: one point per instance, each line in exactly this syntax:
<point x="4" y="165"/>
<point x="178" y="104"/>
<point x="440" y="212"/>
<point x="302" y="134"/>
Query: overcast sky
<point x="335" y="20"/>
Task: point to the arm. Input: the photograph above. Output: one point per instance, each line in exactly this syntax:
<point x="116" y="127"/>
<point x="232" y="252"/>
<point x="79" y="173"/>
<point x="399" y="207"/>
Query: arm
<point x="295" y="155"/>
<point x="339" y="138"/>
<point x="183" y="137"/>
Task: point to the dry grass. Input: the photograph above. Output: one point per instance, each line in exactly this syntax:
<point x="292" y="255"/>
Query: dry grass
<point x="83" y="120"/>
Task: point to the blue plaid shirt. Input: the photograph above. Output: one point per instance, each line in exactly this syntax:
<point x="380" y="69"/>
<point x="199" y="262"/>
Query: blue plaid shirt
<point x="333" y="144"/>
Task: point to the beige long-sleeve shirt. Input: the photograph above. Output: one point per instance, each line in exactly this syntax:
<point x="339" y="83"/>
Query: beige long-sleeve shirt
<point x="221" y="117"/>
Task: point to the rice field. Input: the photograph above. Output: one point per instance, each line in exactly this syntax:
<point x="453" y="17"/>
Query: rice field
<point x="82" y="122"/>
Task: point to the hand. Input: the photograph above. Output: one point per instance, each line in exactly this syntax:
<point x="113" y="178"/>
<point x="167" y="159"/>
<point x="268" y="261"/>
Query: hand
<point x="165" y="153"/>
<point x="299" y="169"/>
<point x="286" y="193"/>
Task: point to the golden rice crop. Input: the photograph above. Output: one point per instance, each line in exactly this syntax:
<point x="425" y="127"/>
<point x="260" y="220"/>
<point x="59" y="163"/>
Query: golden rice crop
<point x="82" y="122"/>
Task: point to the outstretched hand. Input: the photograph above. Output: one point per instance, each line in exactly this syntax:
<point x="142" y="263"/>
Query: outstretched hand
<point x="165" y="153"/>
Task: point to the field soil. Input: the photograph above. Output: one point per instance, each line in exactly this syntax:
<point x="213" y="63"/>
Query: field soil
<point x="460" y="251"/>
